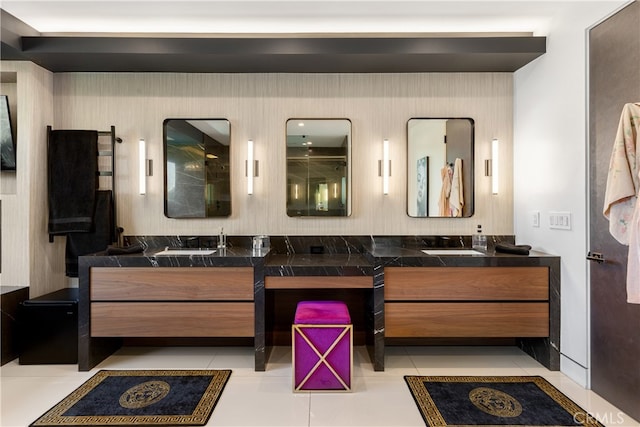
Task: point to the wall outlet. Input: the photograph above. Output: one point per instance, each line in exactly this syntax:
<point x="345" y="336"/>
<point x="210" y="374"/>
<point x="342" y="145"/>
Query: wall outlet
<point x="535" y="218"/>
<point x="560" y="220"/>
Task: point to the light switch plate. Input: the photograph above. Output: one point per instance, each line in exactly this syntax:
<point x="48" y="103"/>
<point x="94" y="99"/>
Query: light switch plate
<point x="560" y="220"/>
<point x="535" y="218"/>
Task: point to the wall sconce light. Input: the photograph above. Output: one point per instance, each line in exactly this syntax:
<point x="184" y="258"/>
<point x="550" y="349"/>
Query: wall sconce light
<point x="142" y="167"/>
<point x="491" y="166"/>
<point x="251" y="167"/>
<point x="384" y="167"/>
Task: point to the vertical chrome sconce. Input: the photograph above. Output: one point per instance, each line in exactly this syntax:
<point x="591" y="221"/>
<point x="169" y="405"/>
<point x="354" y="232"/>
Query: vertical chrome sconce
<point x="494" y="166"/>
<point x="384" y="167"/>
<point x="142" y="167"/>
<point x="251" y="167"/>
<point x="491" y="166"/>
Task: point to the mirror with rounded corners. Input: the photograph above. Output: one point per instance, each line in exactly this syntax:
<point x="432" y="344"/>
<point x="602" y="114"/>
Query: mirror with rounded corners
<point x="318" y="167"/>
<point x="440" y="167"/>
<point x="197" y="175"/>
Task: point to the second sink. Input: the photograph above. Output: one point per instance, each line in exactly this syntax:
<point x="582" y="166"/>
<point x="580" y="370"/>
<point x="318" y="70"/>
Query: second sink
<point x="179" y="251"/>
<point x="452" y="252"/>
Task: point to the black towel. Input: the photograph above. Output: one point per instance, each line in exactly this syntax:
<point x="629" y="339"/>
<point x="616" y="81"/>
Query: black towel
<point x="513" y="249"/>
<point x="123" y="250"/>
<point x="73" y="170"/>
<point x="97" y="240"/>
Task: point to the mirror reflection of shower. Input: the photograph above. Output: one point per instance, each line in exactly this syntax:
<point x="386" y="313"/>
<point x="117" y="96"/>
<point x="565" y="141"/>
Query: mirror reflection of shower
<point x="322" y="197"/>
<point x="197" y="168"/>
<point x="318" y="167"/>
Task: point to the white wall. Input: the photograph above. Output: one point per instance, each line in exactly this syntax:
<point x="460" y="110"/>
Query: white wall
<point x="550" y="149"/>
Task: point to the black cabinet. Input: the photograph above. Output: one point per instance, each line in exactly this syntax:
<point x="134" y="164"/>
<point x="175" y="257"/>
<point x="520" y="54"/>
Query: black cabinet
<point x="49" y="328"/>
<point x="10" y="297"/>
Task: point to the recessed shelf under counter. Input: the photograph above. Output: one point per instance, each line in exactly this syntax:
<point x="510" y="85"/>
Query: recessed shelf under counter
<point x="318" y="265"/>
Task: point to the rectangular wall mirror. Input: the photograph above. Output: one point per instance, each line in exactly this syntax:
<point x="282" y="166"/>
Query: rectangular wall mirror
<point x="440" y="167"/>
<point x="318" y="167"/>
<point x="197" y="175"/>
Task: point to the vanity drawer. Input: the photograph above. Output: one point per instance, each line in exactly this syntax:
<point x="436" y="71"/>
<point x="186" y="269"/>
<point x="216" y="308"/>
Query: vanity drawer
<point x="318" y="282"/>
<point x="466" y="283"/>
<point x="170" y="319"/>
<point x="171" y="284"/>
<point x="453" y="320"/>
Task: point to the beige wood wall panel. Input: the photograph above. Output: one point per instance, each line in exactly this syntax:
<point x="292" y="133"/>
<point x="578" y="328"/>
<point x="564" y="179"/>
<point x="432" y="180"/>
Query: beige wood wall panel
<point x="171" y="283"/>
<point x="258" y="106"/>
<point x="27" y="256"/>
<point x="466" y="283"/>
<point x="150" y="319"/>
<point x="456" y="320"/>
<point x="318" y="282"/>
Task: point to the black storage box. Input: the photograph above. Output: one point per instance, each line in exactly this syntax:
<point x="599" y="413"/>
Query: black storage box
<point x="49" y="328"/>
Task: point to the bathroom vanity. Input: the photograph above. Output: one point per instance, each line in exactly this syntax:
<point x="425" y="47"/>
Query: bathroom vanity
<point x="467" y="298"/>
<point x="395" y="293"/>
<point x="174" y="297"/>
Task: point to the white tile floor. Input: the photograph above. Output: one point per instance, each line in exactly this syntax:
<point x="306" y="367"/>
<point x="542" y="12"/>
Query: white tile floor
<point x="265" y="398"/>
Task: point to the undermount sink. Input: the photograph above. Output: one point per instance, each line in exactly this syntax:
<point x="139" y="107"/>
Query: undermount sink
<point x="452" y="252"/>
<point x="180" y="251"/>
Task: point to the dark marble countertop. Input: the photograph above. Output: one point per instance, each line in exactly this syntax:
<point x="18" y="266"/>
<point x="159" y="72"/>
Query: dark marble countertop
<point x="343" y="255"/>
<point x="332" y="263"/>
<point x="398" y="256"/>
<point x="229" y="257"/>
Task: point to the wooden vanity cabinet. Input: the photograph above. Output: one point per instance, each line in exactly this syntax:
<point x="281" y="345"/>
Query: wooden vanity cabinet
<point x="465" y="302"/>
<point x="172" y="302"/>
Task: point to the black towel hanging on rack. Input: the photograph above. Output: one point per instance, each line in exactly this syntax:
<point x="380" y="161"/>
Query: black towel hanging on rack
<point x="97" y="240"/>
<point x="85" y="158"/>
<point x="72" y="176"/>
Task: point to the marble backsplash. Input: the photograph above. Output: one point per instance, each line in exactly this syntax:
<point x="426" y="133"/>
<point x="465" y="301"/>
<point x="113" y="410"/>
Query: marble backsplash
<point x="317" y="244"/>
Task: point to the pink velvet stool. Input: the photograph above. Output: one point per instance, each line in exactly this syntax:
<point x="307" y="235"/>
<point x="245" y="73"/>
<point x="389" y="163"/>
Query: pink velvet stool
<point x="322" y="346"/>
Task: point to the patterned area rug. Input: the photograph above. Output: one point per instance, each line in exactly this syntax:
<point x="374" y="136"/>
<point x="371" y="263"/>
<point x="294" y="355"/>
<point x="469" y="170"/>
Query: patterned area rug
<point x="494" y="401"/>
<point x="144" y="398"/>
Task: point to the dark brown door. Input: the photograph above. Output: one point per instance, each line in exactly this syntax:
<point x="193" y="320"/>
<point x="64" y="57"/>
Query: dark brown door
<point x="614" y="63"/>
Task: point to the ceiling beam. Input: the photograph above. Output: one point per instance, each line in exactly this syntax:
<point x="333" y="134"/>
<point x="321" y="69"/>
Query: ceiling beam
<point x="11" y="32"/>
<point x="332" y="53"/>
<point x="278" y="54"/>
